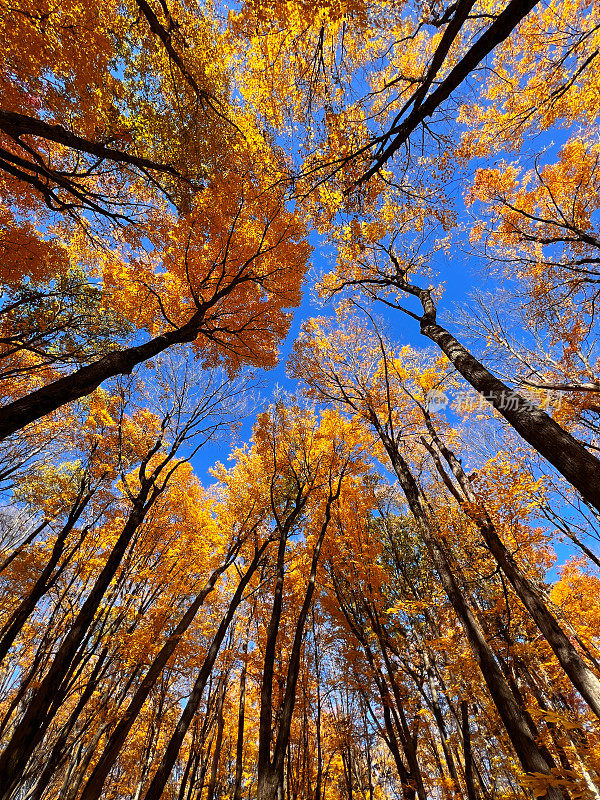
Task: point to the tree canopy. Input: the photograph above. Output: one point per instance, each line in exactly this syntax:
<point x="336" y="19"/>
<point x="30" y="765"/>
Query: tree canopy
<point x="375" y="575"/>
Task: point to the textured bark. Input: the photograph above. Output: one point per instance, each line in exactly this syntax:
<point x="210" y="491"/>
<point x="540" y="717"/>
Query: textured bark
<point x="80" y="383"/>
<point x="526" y="748"/>
<point x="162" y="774"/>
<point x="562" y="450"/>
<point x="581" y="676"/>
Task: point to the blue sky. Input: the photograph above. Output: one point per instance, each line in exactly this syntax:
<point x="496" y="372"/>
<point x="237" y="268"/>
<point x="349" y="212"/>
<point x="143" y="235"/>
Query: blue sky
<point x="461" y="273"/>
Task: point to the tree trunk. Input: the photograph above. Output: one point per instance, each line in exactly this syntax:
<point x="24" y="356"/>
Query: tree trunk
<point x="214" y="770"/>
<point x="83" y="381"/>
<point x="562" y="450"/>
<point x="21" y="614"/>
<point x="38" y="716"/>
<point x="581" y="676"/>
<point x="162" y="774"/>
<point x="466" y="737"/>
<point x="516" y="726"/>
<point x="239" y="747"/>
<point x="113" y="747"/>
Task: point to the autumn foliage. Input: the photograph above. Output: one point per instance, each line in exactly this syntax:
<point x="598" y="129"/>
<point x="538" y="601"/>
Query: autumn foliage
<point x="380" y="580"/>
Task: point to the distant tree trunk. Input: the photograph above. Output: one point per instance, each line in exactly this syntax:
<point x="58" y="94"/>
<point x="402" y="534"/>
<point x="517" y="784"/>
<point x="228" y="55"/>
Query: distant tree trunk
<point x="319" y="783"/>
<point x="214" y="770"/>
<point x="162" y="774"/>
<point x="21" y="614"/>
<point x="581" y="676"/>
<point x="239" y="748"/>
<point x="369" y="755"/>
<point x="466" y="737"/>
<point x="511" y="714"/>
<point x="439" y="719"/>
<point x="409" y="747"/>
<point x="267" y="780"/>
<point x="189" y="770"/>
<point x="395" y="733"/>
<point x="53" y="759"/>
<point x="270" y="770"/>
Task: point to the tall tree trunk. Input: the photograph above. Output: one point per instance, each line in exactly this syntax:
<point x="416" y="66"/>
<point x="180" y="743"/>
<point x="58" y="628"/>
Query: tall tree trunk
<point x="214" y="770"/>
<point x="581" y="676"/>
<point x="162" y="774"/>
<point x="526" y="748"/>
<point x="394" y="733"/>
<point x="409" y="746"/>
<point x="83" y="381"/>
<point x="439" y="720"/>
<point x="267" y="781"/>
<point x="270" y="771"/>
<point x="239" y="747"/>
<point x="38" y="716"/>
<point x="466" y="737"/>
<point x="114" y="745"/>
<point x="21" y="614"/>
<point x="53" y="759"/>
<point x="268" y="787"/>
<point x="562" y="450"/>
<point x="423" y="105"/>
<point x="319" y="783"/>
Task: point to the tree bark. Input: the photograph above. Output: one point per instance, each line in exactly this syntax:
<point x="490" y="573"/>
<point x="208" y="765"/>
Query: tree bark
<point x="562" y="450"/>
<point x="580" y="675"/>
<point x="162" y="774"/>
<point x="516" y="726"/>
<point x="80" y="383"/>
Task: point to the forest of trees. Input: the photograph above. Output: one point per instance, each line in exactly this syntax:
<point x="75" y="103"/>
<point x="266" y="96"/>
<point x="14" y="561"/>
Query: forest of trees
<point x="380" y="581"/>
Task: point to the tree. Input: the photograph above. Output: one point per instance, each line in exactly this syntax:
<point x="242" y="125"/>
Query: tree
<point x="353" y="371"/>
<point x="203" y="246"/>
<point x="187" y="415"/>
<point x="363" y="604"/>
